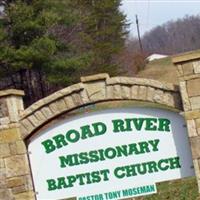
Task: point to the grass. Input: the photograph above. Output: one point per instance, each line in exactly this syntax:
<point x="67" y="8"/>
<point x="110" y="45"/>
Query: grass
<point x="185" y="189"/>
<point x="162" y="70"/>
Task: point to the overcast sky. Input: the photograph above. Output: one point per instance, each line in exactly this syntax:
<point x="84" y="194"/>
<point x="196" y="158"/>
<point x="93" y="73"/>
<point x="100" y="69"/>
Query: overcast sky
<point x="154" y="12"/>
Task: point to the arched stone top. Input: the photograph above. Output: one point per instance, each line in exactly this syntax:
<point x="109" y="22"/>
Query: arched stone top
<point x="98" y="88"/>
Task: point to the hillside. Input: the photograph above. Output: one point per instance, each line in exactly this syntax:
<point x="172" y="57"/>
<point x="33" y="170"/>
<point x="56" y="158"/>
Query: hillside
<point x="162" y="70"/>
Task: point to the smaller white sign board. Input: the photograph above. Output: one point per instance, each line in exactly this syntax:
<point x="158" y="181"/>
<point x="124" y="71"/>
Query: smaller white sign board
<point x="123" y="193"/>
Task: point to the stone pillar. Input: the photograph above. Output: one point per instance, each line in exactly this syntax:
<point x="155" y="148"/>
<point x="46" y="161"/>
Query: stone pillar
<point x="15" y="177"/>
<point x="188" y="68"/>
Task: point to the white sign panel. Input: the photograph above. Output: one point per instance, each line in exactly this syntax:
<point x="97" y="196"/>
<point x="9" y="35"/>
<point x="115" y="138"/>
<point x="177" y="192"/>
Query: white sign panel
<point x="110" y="152"/>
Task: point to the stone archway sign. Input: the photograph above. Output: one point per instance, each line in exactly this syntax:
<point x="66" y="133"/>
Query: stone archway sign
<point x="41" y="149"/>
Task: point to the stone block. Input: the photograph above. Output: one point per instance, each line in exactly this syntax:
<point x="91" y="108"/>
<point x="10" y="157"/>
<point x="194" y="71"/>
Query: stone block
<point x="20" y="104"/>
<point x="188" y="68"/>
<point x="54" y="108"/>
<point x="158" y="96"/>
<point x="6" y="194"/>
<point x="192" y="131"/>
<point x="4" y="150"/>
<point x="184" y="95"/>
<point x="134" y="92"/>
<point x="24" y="131"/>
<point x="76" y="87"/>
<point x="142" y="93"/>
<point x="96" y="90"/>
<point x="10" y="135"/>
<point x="117" y="92"/>
<point x="19" y="189"/>
<point x="2" y="164"/>
<point x="168" y="99"/>
<point x="126" y="92"/>
<point x="15" y="181"/>
<point x="34" y="120"/>
<point x="61" y="105"/>
<point x="197" y="122"/>
<point x="40" y="116"/>
<point x="16" y="165"/>
<point x="198" y="131"/>
<point x="150" y="94"/>
<point x="27" y="124"/>
<point x="196" y="65"/>
<point x="190" y="77"/>
<point x="65" y="91"/>
<point x="194" y="114"/>
<point x="18" y="147"/>
<point x="52" y="97"/>
<point x="2" y="179"/>
<point x="195" y="144"/>
<point x="109" y="92"/>
<point x="113" y="81"/>
<point x="25" y="196"/>
<point x="29" y="182"/>
<point x="196" y="167"/>
<point x="4" y="121"/>
<point x="193" y="87"/>
<point x="2" y="173"/>
<point x="3" y="108"/>
<point x="95" y="77"/>
<point x="77" y="99"/>
<point x="3" y="184"/>
<point x="47" y="112"/>
<point x="85" y="97"/>
<point x="13" y="109"/>
<point x="180" y="70"/>
<point x="69" y="102"/>
<point x="195" y="102"/>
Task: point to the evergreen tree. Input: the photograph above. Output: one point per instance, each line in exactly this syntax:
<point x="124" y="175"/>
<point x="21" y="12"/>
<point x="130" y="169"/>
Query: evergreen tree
<point x="51" y="41"/>
<point x="30" y="44"/>
<point x="103" y="30"/>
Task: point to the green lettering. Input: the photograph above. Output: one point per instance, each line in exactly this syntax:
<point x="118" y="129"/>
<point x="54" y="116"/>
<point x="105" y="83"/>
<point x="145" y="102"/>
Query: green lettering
<point x="110" y="153"/>
<point x="138" y="122"/>
<point x="61" y="183"/>
<point x="96" y="177"/>
<point x="164" y="125"/>
<point x="119" y="172"/>
<point x="118" y="125"/>
<point x="152" y="166"/>
<point x="161" y="167"/>
<point x="86" y="132"/>
<point x="128" y="124"/>
<point x="154" y="144"/>
<point x="174" y="163"/>
<point x="84" y="158"/>
<point x="60" y="140"/>
<point x="51" y="184"/>
<point x="144" y="147"/>
<point x="72" y="136"/>
<point x="133" y="149"/>
<point x="93" y="156"/>
<point x="150" y="124"/>
<point x="105" y="173"/>
<point x="49" y="146"/>
<point x="68" y="160"/>
<point x="71" y="180"/>
<point x="99" y="128"/>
